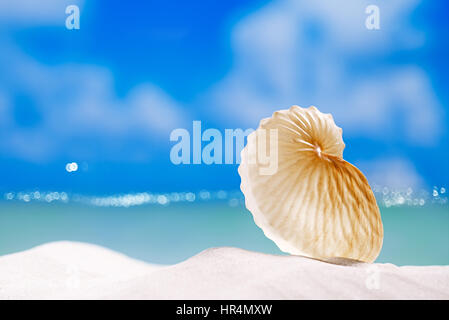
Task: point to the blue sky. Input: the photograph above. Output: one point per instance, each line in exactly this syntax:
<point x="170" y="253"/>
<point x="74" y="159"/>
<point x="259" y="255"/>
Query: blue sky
<point x="108" y="95"/>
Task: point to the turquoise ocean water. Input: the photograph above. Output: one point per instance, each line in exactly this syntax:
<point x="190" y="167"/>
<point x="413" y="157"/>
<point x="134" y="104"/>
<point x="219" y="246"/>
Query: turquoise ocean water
<point x="414" y="235"/>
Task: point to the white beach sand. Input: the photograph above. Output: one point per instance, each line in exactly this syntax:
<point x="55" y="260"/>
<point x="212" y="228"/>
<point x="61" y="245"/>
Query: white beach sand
<point x="70" y="270"/>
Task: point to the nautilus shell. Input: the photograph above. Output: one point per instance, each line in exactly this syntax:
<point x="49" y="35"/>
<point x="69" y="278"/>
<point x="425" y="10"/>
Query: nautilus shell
<point x="311" y="202"/>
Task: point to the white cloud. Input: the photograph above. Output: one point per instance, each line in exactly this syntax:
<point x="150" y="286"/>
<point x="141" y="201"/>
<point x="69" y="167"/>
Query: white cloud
<point x="154" y="110"/>
<point x="35" y="12"/>
<point x="344" y="23"/>
<point x="299" y="52"/>
<point x="4" y="106"/>
<point x="395" y="173"/>
<point x="77" y="105"/>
